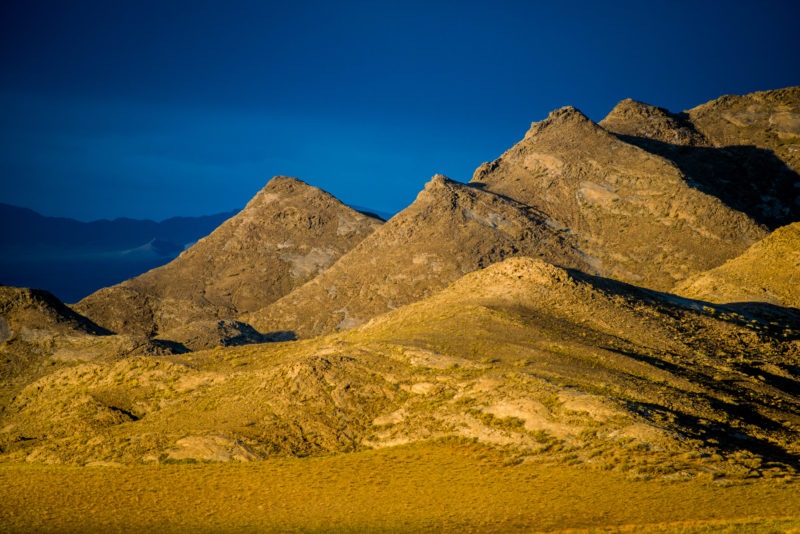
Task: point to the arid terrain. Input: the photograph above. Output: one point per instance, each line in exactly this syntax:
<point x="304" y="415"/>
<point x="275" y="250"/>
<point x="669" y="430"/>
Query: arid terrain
<point x="599" y="332"/>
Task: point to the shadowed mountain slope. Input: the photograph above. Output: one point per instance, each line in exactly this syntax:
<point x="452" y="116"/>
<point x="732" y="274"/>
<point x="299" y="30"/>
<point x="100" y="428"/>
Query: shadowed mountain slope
<point x="549" y="362"/>
<point x="633" y="214"/>
<point x="24" y="309"/>
<point x="765" y="119"/>
<point x="634" y="119"/>
<point x="769" y="272"/>
<point x="744" y="150"/>
<point x="449" y="230"/>
<point x="287" y="233"/>
<point x="37" y="330"/>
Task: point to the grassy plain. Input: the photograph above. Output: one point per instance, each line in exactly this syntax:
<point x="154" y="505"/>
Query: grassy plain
<point x="445" y="486"/>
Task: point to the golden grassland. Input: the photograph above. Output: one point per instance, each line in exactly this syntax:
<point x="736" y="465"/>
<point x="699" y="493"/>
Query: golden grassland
<point x="444" y="486"/>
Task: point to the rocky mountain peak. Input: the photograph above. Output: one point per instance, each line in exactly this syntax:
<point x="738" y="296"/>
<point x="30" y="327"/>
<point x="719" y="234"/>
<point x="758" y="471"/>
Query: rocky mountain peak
<point x="636" y="119"/>
<point x="439" y="189"/>
<point x="287" y="189"/>
<point x="287" y="184"/>
<point x="559" y="118"/>
<point x="567" y="113"/>
<point x="438" y="180"/>
<point x="451" y="229"/>
<point x="630" y="108"/>
<point x="602" y="185"/>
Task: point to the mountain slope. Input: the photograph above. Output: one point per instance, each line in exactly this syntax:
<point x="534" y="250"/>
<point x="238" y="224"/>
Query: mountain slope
<point x="769" y="271"/>
<point x="286" y="234"/>
<point x="765" y="119"/>
<point x="741" y="149"/>
<point x="550" y="363"/>
<point x="632" y="212"/>
<point x="449" y="230"/>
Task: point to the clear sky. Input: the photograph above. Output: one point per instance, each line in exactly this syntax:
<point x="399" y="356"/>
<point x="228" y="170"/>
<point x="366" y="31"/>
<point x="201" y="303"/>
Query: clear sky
<point x="150" y="109"/>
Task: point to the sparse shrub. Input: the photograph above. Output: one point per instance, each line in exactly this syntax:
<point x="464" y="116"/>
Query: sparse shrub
<point x="540" y="436"/>
<point x="511" y="424"/>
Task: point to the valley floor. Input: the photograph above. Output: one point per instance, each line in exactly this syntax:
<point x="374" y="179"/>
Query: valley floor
<point x="451" y="486"/>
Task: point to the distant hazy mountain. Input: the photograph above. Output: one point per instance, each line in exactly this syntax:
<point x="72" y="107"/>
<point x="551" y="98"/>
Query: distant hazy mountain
<point x="72" y="258"/>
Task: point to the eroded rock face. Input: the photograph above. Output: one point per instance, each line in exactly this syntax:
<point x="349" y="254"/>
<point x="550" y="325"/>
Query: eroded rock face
<point x="288" y="233"/>
<point x="212" y="448"/>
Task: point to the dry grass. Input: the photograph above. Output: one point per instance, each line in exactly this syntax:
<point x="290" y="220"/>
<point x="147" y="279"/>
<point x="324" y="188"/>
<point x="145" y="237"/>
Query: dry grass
<point x="450" y="486"/>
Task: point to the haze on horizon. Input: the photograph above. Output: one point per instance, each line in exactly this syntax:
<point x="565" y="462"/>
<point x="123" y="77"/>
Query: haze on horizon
<point x="148" y="110"/>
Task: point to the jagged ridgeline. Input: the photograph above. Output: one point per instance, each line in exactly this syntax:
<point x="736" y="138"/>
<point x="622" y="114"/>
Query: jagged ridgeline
<point x="741" y="149"/>
<point x="643" y="197"/>
<point x="646" y="196"/>
<point x="634" y="214"/>
<point x="449" y="230"/>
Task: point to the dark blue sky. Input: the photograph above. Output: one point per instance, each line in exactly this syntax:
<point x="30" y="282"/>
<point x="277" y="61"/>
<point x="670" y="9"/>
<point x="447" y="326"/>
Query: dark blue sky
<point x="154" y="109"/>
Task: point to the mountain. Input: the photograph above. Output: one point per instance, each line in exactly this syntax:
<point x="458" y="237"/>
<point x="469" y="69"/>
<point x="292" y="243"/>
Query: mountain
<point x="646" y="196"/>
<point x="287" y="234"/>
<point x="449" y="230"/>
<point x="633" y="213"/>
<point x="72" y="258"/>
<point x="741" y="149"/>
<point x="550" y="363"/>
<point x="767" y="272"/>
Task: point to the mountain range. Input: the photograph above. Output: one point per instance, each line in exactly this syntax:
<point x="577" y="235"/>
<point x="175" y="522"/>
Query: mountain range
<point x="72" y="258"/>
<point x="621" y="293"/>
